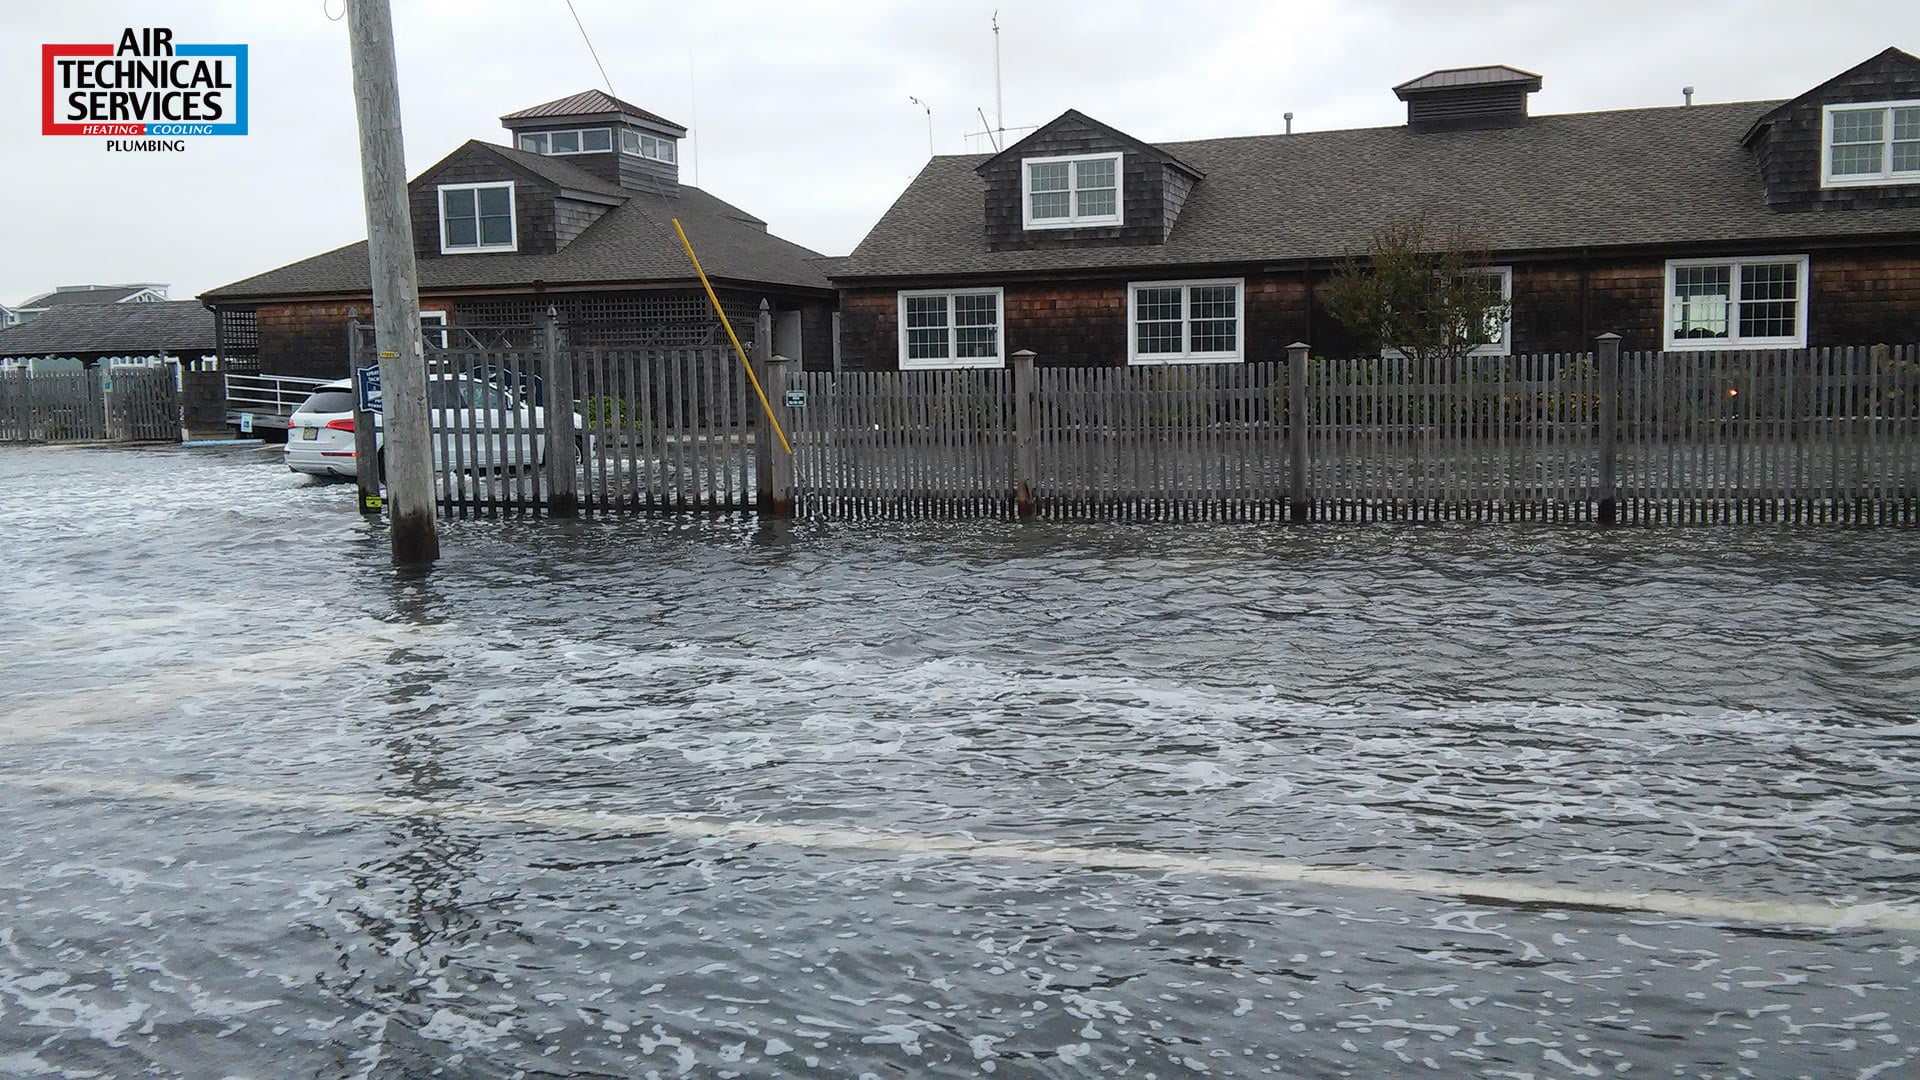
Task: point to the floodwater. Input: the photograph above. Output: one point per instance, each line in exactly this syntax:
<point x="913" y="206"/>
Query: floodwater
<point x="716" y="798"/>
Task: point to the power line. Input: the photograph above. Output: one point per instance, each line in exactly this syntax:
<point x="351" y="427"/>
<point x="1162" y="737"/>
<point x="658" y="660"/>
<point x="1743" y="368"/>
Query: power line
<point x="591" y="50"/>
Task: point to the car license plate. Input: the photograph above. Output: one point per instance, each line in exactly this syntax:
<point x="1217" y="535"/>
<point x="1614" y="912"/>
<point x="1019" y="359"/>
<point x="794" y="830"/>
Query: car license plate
<point x="309" y="432"/>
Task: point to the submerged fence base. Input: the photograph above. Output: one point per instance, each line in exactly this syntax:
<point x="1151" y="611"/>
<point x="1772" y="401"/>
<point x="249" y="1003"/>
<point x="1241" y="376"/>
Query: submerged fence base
<point x="99" y="404"/>
<point x="1807" y="436"/>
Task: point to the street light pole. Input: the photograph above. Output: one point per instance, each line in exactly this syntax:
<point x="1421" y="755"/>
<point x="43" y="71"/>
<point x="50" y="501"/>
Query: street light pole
<point x="929" y="109"/>
<point x="396" y="293"/>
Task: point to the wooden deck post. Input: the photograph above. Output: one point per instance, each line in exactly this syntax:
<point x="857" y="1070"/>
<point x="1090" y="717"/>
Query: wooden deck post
<point x="1025" y="459"/>
<point x="1297" y="499"/>
<point x="563" y="465"/>
<point x="1608" y="403"/>
<point x="779" y="502"/>
<point x="766" y="445"/>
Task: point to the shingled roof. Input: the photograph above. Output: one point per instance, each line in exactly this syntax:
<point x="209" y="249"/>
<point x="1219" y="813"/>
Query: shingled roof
<point x="105" y="294"/>
<point x="1560" y="182"/>
<point x="633" y="242"/>
<point x="181" y="325"/>
<point x="1461" y="78"/>
<point x="586" y="103"/>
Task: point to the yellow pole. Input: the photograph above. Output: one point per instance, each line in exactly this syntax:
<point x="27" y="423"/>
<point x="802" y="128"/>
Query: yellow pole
<point x="733" y="337"/>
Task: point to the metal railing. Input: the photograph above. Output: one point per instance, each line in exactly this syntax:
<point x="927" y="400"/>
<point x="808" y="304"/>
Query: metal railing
<point x="269" y="398"/>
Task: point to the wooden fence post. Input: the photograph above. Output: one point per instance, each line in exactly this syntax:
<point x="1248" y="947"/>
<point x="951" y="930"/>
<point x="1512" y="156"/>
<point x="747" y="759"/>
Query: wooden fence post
<point x="563" y="464"/>
<point x="779" y="502"/>
<point x="1608" y="403"/>
<point x="765" y="442"/>
<point x="1297" y="431"/>
<point x="1025" y="459"/>
<point x="366" y="432"/>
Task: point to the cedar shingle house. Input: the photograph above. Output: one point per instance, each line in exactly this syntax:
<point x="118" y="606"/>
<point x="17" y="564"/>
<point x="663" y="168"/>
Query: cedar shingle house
<point x="1748" y="225"/>
<point x="577" y="214"/>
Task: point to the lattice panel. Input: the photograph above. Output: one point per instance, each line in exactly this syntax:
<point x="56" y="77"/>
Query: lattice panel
<point x="239" y="341"/>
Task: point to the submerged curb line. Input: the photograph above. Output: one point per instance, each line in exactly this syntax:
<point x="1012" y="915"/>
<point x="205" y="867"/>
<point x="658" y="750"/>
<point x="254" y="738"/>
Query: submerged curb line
<point x="1883" y="915"/>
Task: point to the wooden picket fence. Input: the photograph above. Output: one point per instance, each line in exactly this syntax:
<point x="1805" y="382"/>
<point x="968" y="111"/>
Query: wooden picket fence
<point x="1801" y="435"/>
<point x="650" y="429"/>
<point x="121" y="404"/>
<point x="1778" y="435"/>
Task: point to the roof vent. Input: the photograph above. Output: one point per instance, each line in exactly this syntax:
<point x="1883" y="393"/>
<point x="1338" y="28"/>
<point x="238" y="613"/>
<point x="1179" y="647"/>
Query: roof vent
<point x="1474" y="97"/>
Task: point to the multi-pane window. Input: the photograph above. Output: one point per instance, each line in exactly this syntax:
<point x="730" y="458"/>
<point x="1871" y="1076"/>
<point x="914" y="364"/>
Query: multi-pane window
<point x="476" y="217"/>
<point x="1068" y="192"/>
<point x="646" y="146"/>
<point x="941" y="329"/>
<point x="1184" y="321"/>
<point x="1871" y="144"/>
<point x="1723" y="304"/>
<point x="572" y="141"/>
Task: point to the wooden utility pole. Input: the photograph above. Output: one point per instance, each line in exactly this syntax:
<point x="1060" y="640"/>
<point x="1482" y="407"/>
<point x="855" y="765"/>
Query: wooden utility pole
<point x="396" y="293"/>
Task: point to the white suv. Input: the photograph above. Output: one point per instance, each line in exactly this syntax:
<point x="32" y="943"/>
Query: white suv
<point x="482" y="422"/>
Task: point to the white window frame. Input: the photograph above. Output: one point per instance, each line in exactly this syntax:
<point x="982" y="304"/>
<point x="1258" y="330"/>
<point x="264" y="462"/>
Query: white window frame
<point x="1187" y="355"/>
<point x="579" y="133"/>
<point x="1803" y="303"/>
<point x="513" y="218"/>
<point x="435" y="317"/>
<point x="1074" y="220"/>
<point x="1505" y="345"/>
<point x="669" y="154"/>
<point x="950" y="361"/>
<point x="1886" y="176"/>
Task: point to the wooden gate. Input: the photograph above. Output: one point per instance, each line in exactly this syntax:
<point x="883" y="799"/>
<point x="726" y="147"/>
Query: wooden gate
<point x="143" y="404"/>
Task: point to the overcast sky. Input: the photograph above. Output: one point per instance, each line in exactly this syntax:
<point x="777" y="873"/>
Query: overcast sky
<point x="802" y="114"/>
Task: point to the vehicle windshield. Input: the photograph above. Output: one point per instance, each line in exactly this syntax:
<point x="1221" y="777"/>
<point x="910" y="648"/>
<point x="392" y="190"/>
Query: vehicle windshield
<point x="328" y="401"/>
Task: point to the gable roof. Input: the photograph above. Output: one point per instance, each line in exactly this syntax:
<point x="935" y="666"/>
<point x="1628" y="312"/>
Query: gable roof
<point x="587" y="103"/>
<point x="1157" y="152"/>
<point x="1667" y="175"/>
<point x="1460" y="78"/>
<point x="112" y="328"/>
<point x="108" y="294"/>
<point x="633" y="242"/>
<point x="564" y="174"/>
<point x="1889" y="56"/>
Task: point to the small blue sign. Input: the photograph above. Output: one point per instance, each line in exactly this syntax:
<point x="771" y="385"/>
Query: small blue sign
<point x="366" y="382"/>
<point x="796" y="399"/>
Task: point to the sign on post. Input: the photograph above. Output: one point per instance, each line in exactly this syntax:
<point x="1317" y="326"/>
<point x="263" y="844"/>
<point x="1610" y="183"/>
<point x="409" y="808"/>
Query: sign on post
<point x="366" y="383"/>
<point x="796" y="399"/>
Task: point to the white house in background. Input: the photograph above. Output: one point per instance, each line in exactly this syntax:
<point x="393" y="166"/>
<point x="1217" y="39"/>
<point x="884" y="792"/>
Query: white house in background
<point x="145" y="292"/>
<point x="8" y="317"/>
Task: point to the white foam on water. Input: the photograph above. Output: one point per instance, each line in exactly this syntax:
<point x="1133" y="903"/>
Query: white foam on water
<point x="1495" y="889"/>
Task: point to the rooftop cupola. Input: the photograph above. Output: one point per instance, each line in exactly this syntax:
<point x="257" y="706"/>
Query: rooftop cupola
<point x="610" y="138"/>
<point x="1473" y="97"/>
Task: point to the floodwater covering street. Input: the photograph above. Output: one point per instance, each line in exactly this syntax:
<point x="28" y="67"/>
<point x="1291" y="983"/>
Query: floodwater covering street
<point x="718" y="797"/>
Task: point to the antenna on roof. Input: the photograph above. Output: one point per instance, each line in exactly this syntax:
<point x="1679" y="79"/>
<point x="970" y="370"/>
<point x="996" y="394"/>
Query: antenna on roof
<point x="693" y="108"/>
<point x="1289" y="119"/>
<point x="987" y="131"/>
<point x="1686" y="92"/>
<point x="999" y="102"/>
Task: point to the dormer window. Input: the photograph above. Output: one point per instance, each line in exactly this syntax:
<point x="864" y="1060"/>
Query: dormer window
<point x="477" y="217"/>
<point x="572" y="141"/>
<point x="1071" y="192"/>
<point x="646" y="146"/>
<point x="1873" y="143"/>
